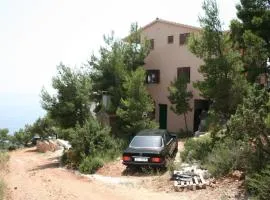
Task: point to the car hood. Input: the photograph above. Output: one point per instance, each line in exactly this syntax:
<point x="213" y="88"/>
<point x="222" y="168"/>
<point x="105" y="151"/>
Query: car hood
<point x="143" y="150"/>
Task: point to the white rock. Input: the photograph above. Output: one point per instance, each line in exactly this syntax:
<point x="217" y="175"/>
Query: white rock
<point x="63" y="143"/>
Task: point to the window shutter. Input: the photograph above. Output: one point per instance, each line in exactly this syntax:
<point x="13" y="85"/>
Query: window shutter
<point x="170" y="39"/>
<point x="152" y="44"/>
<point x="183" y="38"/>
<point x="187" y="72"/>
<point x="158" y="76"/>
<point x="184" y="71"/>
<point x="179" y="71"/>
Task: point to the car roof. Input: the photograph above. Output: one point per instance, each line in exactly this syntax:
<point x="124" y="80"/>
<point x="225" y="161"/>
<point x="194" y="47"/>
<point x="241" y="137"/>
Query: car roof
<point x="151" y="132"/>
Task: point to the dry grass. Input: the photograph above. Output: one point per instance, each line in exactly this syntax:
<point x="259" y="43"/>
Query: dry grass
<point x="2" y="189"/>
<point x="4" y="157"/>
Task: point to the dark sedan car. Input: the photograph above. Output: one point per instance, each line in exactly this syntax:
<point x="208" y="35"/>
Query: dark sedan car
<point x="150" y="147"/>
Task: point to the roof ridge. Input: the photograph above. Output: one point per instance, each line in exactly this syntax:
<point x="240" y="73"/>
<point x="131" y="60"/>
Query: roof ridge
<point x="169" y="22"/>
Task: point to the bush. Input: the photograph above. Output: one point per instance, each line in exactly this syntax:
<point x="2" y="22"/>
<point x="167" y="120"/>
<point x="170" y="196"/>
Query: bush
<point x="70" y="159"/>
<point x="65" y="133"/>
<point x="219" y="157"/>
<point x="197" y="148"/>
<point x="249" y="122"/>
<point x="182" y="134"/>
<point x="90" y="141"/>
<point x="92" y="138"/>
<point x="258" y="184"/>
<point x="171" y="166"/>
<point x="90" y="165"/>
<point x="227" y="155"/>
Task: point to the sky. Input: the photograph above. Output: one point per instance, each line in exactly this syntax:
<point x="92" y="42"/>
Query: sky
<point x="36" y="35"/>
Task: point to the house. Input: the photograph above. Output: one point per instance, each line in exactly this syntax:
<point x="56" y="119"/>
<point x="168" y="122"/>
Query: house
<point x="169" y="57"/>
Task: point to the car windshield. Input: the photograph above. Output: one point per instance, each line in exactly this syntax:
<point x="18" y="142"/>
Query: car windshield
<point x="146" y="141"/>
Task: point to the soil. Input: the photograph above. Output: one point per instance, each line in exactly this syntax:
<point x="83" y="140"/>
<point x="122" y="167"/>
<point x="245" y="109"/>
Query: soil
<point x="160" y="181"/>
<point x="38" y="176"/>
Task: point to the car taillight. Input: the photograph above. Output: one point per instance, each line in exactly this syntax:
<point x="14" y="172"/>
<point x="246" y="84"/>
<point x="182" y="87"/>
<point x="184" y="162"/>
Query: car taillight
<point x="156" y="159"/>
<point x="126" y="158"/>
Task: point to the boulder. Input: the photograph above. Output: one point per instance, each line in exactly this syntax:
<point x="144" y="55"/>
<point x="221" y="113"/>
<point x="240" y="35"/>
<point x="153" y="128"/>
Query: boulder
<point x="238" y="175"/>
<point x="46" y="145"/>
<point x="63" y="143"/>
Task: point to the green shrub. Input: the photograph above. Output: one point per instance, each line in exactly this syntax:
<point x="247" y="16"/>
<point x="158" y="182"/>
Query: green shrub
<point x="184" y="134"/>
<point x="258" y="184"/>
<point x="91" y="140"/>
<point x="227" y="155"/>
<point x="171" y="166"/>
<point x="70" y="159"/>
<point x="249" y="122"/>
<point x="221" y="157"/>
<point x="65" y="133"/>
<point x="90" y="165"/>
<point x="197" y="148"/>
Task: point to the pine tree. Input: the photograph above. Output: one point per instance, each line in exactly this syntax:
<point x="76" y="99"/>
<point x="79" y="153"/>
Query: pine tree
<point x="179" y="97"/>
<point x="117" y="59"/>
<point x="251" y="34"/>
<point x="223" y="83"/>
<point x="136" y="105"/>
<point x="71" y="103"/>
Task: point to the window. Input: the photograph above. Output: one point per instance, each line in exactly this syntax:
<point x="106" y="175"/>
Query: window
<point x="183" y="38"/>
<point x="170" y="39"/>
<point x="184" y="71"/>
<point x="146" y="141"/>
<point x="152" y="76"/>
<point x="167" y="137"/>
<point x="152" y="44"/>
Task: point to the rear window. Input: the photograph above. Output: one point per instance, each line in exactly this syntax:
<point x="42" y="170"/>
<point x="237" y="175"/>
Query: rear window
<point x="146" y="141"/>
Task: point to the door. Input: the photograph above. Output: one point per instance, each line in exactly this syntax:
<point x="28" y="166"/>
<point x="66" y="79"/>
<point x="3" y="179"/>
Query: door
<point x="162" y="116"/>
<point x="200" y="106"/>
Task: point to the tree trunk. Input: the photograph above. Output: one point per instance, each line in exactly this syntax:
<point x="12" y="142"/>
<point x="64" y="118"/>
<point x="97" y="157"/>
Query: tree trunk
<point x="186" y="122"/>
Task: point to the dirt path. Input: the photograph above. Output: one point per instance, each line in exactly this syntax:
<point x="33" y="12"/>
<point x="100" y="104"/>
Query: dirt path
<point x="36" y="176"/>
<point x="226" y="188"/>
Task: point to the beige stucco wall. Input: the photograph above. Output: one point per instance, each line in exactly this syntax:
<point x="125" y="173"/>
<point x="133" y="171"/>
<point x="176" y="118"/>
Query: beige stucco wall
<point x="167" y="58"/>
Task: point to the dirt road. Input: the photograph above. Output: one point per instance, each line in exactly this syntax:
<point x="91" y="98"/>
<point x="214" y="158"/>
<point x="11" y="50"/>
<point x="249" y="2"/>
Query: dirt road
<point x="37" y="176"/>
